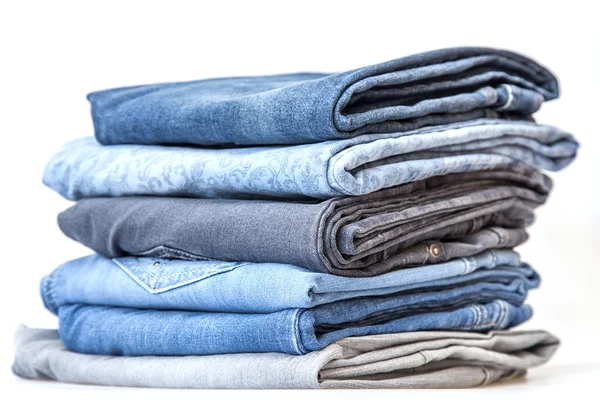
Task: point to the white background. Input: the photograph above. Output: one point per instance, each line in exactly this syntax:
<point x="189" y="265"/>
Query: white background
<point x="54" y="52"/>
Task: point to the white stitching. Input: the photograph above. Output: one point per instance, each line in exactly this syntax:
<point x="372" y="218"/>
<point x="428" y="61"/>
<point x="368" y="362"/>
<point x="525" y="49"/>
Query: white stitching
<point x="510" y="97"/>
<point x="153" y="288"/>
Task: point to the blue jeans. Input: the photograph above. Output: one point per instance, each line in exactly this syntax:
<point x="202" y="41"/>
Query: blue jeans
<point x="356" y="166"/>
<point x="207" y="308"/>
<point x="231" y="287"/>
<point x="433" y="88"/>
<point x="135" y="332"/>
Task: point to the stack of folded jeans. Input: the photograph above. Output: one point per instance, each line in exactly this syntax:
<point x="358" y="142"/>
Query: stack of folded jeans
<point x="306" y="230"/>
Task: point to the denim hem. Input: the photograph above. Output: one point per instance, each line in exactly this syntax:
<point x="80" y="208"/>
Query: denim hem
<point x="297" y="339"/>
<point x="48" y="291"/>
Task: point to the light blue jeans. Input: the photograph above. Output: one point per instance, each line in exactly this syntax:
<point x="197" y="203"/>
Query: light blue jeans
<point x="360" y="165"/>
<point x="233" y="287"/>
<point x="214" y="308"/>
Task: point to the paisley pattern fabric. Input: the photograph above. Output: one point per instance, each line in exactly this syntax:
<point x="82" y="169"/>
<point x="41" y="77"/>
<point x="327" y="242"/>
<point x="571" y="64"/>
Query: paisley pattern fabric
<point x="364" y="164"/>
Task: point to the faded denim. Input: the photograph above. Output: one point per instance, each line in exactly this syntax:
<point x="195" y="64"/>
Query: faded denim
<point x="433" y="88"/>
<point x="227" y="287"/>
<point x="137" y="332"/>
<point x="403" y="360"/>
<point x="361" y="165"/>
<point x="204" y="308"/>
<point x="423" y="222"/>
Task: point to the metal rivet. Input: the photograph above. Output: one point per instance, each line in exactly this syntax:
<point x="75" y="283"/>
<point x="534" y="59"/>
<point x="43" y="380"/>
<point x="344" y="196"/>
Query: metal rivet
<point x="435" y="251"/>
<point x="156" y="264"/>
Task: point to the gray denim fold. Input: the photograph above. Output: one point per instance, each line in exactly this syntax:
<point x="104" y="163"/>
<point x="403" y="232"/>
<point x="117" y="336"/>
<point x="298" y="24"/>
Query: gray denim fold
<point x="424" y="222"/>
<point x="405" y="360"/>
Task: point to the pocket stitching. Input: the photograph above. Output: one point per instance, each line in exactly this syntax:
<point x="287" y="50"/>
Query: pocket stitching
<point x="152" y="288"/>
<point x="165" y="250"/>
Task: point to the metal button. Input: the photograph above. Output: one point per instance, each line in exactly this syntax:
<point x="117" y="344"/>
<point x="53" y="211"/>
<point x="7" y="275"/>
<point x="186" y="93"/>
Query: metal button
<point x="156" y="264"/>
<point x="435" y="251"/>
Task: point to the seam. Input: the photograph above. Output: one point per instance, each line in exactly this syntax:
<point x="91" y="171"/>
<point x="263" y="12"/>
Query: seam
<point x="475" y="310"/>
<point x="503" y="313"/>
<point x="426" y="258"/>
<point x="174" y="273"/>
<point x="320" y="244"/>
<point x="154" y="290"/>
<point x="297" y="339"/>
<point x="510" y="97"/>
<point x="495" y="258"/>
<point x="485" y="317"/>
<point x="425" y="360"/>
<point x="498" y="235"/>
<point x="473" y="265"/>
<point x="466" y="270"/>
<point x="497" y="322"/>
<point x="51" y="288"/>
<point x="49" y="292"/>
<point x="486" y="376"/>
<point x="164" y="250"/>
<point x="490" y="94"/>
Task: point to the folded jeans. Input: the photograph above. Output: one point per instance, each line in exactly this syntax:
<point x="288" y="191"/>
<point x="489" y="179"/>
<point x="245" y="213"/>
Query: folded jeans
<point x="135" y="332"/>
<point x="424" y="222"/>
<point x="96" y="315"/>
<point x="228" y="287"/>
<point x="434" y="88"/>
<point x="351" y="167"/>
<point x="205" y="307"/>
<point x="402" y="360"/>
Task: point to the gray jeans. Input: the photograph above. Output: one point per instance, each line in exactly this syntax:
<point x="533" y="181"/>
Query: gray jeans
<point x="405" y="360"/>
<point x="424" y="222"/>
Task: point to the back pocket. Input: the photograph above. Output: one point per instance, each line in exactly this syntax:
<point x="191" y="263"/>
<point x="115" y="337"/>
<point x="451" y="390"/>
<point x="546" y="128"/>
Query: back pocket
<point x="158" y="275"/>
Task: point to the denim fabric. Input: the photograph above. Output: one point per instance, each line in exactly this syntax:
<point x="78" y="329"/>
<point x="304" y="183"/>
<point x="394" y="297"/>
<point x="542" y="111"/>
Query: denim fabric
<point x="191" y="320"/>
<point x="437" y="87"/>
<point x="220" y="286"/>
<point x="404" y="360"/>
<point x="136" y="332"/>
<point x="429" y="221"/>
<point x="356" y="166"/>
